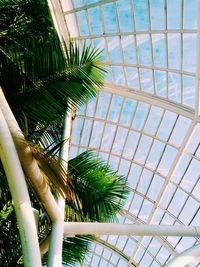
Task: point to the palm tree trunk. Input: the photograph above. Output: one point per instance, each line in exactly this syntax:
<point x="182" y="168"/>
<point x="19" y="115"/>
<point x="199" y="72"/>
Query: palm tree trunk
<point x="19" y="192"/>
<point x="29" y="164"/>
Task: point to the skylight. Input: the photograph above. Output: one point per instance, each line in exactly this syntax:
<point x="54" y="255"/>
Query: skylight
<point x="145" y="121"/>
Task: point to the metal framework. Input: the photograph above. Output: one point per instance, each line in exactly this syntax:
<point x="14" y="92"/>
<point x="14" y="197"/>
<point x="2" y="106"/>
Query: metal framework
<point x="154" y="104"/>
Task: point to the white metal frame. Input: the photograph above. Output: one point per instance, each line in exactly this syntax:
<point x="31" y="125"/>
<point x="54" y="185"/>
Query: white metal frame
<point x="91" y="228"/>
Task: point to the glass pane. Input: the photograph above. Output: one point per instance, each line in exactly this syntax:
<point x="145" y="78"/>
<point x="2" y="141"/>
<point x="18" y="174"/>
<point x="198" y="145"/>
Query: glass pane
<point x="132" y="77"/>
<point x="82" y="22"/>
<point x="144" y="181"/>
<point x="115" y="108"/>
<point x="174" y="86"/>
<point x="155" y="154"/>
<point x="143" y="148"/>
<point x="191" y="176"/>
<point x="160" y="83"/>
<point x="90" y="1"/>
<point x="174" y="51"/>
<point x="144" y="50"/>
<point x="146" y="79"/>
<point x="157" y="14"/>
<point x="153" y="120"/>
<point x="140" y="116"/>
<point x="108" y="137"/>
<point x="86" y="133"/>
<point x="124" y="167"/>
<point x="141" y="15"/>
<point x="127" y="112"/>
<point x="181" y="126"/>
<point x="155" y="188"/>
<point x="119" y="141"/>
<point x="189" y="52"/>
<point x="100" y="44"/>
<point x="124" y="15"/>
<point x="91" y="107"/>
<point x="109" y="18"/>
<point x="118" y="75"/>
<point x="134" y="175"/>
<point x="102" y="105"/>
<point x="95" y="20"/>
<point x="78" y="3"/>
<point x="190" y="14"/>
<point x="114" y="49"/>
<point x="77" y="129"/>
<point x="167" y="160"/>
<point x="128" y="47"/>
<point x="146" y="210"/>
<point x="159" y="50"/>
<point x="179" y="198"/>
<point x="174" y="14"/>
<point x="166" y="125"/>
<point x="131" y="144"/>
<point x="181" y="168"/>
<point x="189" y="90"/>
<point x="96" y="134"/>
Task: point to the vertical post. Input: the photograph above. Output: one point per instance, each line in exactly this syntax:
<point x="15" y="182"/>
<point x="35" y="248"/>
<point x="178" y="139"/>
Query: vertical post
<point x="56" y="239"/>
<point x="55" y="248"/>
<point x="19" y="193"/>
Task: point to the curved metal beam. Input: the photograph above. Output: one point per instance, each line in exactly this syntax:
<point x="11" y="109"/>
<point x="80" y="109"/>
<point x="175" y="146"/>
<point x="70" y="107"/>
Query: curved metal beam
<point x="150" y="99"/>
<point x="187" y="256"/>
<point x="115" y="250"/>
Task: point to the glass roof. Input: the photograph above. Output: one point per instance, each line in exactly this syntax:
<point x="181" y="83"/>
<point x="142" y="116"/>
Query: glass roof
<point x="146" y="43"/>
<point x="162" y="166"/>
<point x="145" y="121"/>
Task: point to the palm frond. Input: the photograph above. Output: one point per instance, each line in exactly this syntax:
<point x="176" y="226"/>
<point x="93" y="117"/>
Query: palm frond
<point x="47" y="85"/>
<point x="74" y="249"/>
<point x="6" y="211"/>
<point x="52" y="170"/>
<point x="99" y="192"/>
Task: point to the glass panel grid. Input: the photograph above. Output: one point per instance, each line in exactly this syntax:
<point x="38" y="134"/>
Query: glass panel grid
<point x="128" y="30"/>
<point x="167" y="40"/>
<point x="143" y="170"/>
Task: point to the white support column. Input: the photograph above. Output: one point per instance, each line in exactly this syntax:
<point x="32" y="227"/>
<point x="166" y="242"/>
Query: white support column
<point x="187" y="256"/>
<point x="56" y="238"/>
<point x="29" y="164"/>
<point x="55" y="248"/>
<point x="19" y="192"/>
<point x="81" y="228"/>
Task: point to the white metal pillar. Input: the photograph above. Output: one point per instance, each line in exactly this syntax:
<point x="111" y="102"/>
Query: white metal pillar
<point x="20" y="196"/>
<point x="81" y="228"/>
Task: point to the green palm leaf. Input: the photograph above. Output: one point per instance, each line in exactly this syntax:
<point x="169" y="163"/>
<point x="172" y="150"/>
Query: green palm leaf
<point x="74" y="249"/>
<point x="99" y="192"/>
<point x="49" y="84"/>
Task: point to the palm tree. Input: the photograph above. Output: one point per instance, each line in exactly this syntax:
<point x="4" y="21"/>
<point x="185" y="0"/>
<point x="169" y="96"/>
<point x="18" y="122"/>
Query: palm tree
<point x="40" y="82"/>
